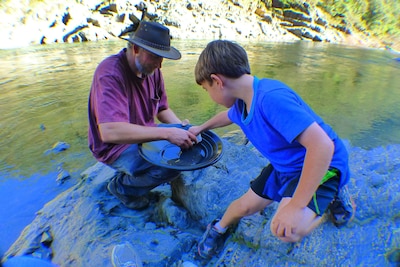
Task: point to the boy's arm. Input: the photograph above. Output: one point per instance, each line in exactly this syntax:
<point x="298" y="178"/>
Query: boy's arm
<point x="219" y="120"/>
<point x="319" y="152"/>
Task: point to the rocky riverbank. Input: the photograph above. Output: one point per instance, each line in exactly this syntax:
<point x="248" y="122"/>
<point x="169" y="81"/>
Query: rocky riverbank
<point x="85" y="222"/>
<point x="45" y="22"/>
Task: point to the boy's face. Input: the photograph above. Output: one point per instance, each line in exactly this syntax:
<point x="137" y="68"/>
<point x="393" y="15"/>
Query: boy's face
<point x="217" y="92"/>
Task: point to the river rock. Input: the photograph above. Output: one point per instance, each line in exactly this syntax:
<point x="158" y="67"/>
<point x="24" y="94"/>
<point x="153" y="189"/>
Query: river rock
<point x="57" y="148"/>
<point x="86" y="221"/>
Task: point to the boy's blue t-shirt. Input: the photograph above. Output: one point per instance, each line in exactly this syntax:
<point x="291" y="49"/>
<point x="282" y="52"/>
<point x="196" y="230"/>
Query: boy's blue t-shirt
<point x="277" y="117"/>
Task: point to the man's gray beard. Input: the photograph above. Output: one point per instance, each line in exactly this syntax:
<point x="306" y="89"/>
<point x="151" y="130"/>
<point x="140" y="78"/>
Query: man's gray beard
<point x="140" y="68"/>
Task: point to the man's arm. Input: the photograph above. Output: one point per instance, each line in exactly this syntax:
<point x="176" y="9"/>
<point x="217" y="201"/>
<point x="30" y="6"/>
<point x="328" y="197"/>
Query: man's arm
<point x="127" y="133"/>
<point x="168" y="116"/>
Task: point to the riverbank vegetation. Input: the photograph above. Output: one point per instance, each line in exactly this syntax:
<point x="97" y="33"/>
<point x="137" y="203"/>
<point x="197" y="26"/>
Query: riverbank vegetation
<point x="379" y="18"/>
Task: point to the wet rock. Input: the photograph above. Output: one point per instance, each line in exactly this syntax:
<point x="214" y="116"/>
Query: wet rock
<point x="62" y="175"/>
<point x="57" y="148"/>
<point x="393" y="256"/>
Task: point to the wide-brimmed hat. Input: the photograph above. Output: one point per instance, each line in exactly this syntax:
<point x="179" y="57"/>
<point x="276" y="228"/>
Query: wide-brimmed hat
<point x="155" y="38"/>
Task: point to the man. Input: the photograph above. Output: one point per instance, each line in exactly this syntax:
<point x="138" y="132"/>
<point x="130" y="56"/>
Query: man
<point x="126" y="97"/>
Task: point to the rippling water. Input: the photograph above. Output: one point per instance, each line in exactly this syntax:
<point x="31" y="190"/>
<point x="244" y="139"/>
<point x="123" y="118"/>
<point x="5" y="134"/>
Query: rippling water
<point x="44" y="92"/>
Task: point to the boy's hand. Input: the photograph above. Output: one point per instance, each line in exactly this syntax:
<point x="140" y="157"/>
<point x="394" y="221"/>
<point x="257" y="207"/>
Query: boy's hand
<point x="291" y="222"/>
<point x="195" y="130"/>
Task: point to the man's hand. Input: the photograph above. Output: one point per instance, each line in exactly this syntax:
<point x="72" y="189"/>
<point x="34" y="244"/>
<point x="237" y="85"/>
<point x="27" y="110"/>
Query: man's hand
<point x="182" y="138"/>
<point x="185" y="122"/>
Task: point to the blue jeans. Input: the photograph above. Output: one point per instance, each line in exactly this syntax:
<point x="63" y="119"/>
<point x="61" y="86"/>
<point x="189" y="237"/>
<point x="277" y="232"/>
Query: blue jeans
<point x="136" y="176"/>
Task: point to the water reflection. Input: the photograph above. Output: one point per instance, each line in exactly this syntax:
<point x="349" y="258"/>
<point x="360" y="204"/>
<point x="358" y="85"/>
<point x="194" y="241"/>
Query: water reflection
<point x="355" y="90"/>
<point x="351" y="88"/>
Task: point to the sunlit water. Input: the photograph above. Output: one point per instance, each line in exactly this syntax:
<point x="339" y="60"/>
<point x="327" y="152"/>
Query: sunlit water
<point x="44" y="91"/>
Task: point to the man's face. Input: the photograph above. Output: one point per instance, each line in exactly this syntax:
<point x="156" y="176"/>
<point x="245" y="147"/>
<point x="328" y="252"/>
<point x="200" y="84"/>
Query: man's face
<point x="147" y="62"/>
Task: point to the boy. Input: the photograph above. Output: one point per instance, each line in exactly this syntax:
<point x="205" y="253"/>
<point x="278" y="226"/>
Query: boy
<point x="308" y="161"/>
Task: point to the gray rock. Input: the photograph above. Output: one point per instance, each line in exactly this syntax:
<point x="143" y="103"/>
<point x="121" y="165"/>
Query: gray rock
<point x="62" y="175"/>
<point x="206" y="193"/>
<point x="46" y="22"/>
<point x="85" y="222"/>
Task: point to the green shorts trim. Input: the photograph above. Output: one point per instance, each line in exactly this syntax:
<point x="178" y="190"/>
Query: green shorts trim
<point x="325" y="193"/>
<point x="331" y="173"/>
<point x="274" y="185"/>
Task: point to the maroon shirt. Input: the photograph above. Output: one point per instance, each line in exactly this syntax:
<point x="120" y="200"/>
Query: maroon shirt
<point x="118" y="95"/>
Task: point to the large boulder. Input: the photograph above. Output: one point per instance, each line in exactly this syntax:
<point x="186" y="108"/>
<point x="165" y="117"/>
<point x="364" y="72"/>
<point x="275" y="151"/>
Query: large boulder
<point x="83" y="224"/>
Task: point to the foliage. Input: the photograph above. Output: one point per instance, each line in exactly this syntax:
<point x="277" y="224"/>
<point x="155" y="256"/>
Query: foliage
<point x="381" y="17"/>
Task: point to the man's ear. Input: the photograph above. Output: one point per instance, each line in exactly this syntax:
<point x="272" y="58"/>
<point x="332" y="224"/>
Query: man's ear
<point x="136" y="49"/>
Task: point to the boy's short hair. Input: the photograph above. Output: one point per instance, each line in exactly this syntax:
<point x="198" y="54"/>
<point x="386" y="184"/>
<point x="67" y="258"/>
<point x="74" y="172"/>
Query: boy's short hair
<point x="221" y="57"/>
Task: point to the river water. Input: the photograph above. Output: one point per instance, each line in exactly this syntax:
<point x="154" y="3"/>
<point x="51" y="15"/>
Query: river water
<point x="44" y="91"/>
